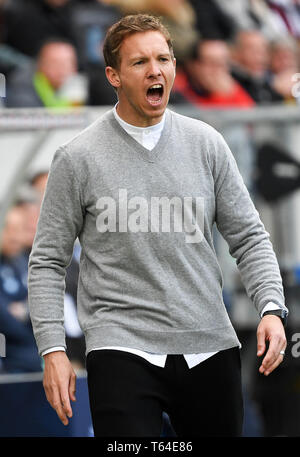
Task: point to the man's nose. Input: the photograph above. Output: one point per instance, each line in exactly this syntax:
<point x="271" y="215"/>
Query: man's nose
<point x="154" y="69"/>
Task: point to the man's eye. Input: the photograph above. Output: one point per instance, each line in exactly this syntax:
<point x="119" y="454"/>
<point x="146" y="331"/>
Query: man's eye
<point x="139" y="62"/>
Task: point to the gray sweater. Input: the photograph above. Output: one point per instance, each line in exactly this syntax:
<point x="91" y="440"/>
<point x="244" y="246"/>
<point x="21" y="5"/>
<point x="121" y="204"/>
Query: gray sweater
<point x="149" y="275"/>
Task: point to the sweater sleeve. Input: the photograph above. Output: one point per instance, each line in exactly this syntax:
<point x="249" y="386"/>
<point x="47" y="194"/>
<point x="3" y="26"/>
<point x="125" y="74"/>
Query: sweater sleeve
<point x="60" y="222"/>
<point x="239" y="223"/>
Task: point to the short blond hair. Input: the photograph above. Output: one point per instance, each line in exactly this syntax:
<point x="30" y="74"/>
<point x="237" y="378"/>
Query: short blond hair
<point x="128" y="25"/>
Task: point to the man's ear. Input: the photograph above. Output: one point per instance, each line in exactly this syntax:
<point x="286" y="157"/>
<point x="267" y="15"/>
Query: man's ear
<point x="113" y="76"/>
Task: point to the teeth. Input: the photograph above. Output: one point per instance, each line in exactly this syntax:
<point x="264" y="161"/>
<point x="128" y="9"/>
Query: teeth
<point x="156" y="86"/>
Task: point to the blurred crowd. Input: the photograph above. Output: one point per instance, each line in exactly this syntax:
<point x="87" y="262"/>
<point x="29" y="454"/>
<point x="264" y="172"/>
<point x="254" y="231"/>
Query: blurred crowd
<point x="235" y="53"/>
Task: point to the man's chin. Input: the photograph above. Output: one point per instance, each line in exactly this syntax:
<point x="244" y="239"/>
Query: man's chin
<point x="155" y="111"/>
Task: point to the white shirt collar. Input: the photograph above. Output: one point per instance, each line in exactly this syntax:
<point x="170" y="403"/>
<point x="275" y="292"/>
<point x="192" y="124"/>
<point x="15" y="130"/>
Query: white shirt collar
<point x="133" y="129"/>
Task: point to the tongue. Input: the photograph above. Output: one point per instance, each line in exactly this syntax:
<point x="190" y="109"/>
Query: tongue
<point x="153" y="95"/>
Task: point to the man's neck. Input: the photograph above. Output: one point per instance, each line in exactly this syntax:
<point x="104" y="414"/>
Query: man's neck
<point x="140" y="122"/>
<point x="134" y="128"/>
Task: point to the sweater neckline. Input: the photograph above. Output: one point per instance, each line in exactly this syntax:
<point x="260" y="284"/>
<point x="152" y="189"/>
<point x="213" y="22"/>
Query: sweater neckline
<point x="148" y="155"/>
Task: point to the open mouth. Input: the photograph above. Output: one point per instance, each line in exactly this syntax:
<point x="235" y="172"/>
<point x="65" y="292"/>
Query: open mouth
<point x="155" y="94"/>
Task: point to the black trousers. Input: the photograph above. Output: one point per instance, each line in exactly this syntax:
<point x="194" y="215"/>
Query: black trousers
<point x="128" y="394"/>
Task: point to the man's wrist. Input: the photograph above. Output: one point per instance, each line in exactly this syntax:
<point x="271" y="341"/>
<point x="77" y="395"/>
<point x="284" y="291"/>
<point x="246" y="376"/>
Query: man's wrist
<point x="270" y="306"/>
<point x="53" y="349"/>
<point x="281" y="313"/>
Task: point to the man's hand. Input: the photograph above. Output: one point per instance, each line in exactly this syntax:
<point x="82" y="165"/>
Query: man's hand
<point x="59" y="384"/>
<point x="270" y="329"/>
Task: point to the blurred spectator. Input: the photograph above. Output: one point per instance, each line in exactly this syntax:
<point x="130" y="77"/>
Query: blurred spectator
<point x="39" y="182"/>
<point x="177" y="15"/>
<point x="284" y="63"/>
<point x="284" y="56"/>
<point x="206" y="79"/>
<point x="28" y="201"/>
<point x="15" y="324"/>
<point x="212" y="21"/>
<point x="100" y="91"/>
<point x="286" y="14"/>
<point x="47" y="82"/>
<point x="253" y="14"/>
<point x="28" y="24"/>
<point x="90" y="21"/>
<point x="10" y="58"/>
<point x="250" y="57"/>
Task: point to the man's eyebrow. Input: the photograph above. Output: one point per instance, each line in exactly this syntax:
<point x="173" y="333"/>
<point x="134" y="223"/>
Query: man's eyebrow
<point x="144" y="57"/>
<point x="137" y="57"/>
<point x="165" y="54"/>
